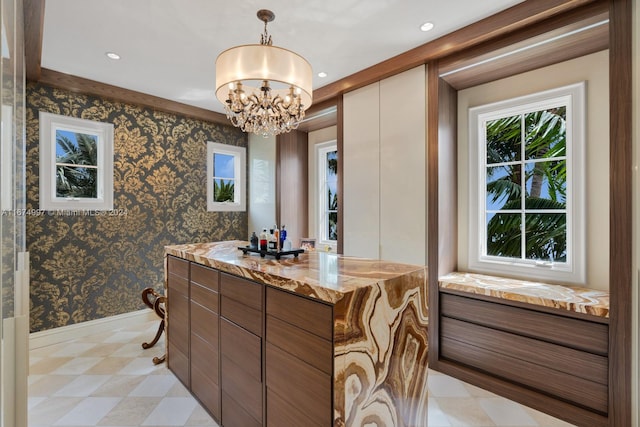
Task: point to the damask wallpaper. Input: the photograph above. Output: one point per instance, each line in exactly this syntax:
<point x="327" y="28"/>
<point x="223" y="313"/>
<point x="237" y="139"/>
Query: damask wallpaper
<point x="88" y="267"/>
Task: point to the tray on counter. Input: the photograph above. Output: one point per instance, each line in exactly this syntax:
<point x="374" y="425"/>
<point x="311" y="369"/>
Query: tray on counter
<point x="276" y="254"/>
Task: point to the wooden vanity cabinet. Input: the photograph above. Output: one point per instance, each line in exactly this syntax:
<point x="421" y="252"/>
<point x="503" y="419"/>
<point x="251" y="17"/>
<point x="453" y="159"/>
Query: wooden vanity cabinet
<point x="253" y="355"/>
<point x="178" y="318"/>
<point x="298" y="360"/>
<point x="204" y="345"/>
<point x="241" y="331"/>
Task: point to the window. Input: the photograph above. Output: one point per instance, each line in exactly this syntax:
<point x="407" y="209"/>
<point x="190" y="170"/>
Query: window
<point x="526" y="186"/>
<point x="225" y="177"/>
<point x="327" y="155"/>
<point x="76" y="163"/>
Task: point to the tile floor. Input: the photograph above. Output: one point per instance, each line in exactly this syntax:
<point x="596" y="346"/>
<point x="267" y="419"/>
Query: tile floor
<point x="108" y="380"/>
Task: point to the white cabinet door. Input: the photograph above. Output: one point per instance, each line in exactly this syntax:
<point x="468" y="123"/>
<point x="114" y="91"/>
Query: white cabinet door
<point x="403" y="216"/>
<point x="361" y="157"/>
<point x="385" y="169"/>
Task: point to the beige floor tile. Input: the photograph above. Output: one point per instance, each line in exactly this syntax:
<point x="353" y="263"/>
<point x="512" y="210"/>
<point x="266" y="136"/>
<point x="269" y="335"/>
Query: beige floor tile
<point x="49" y="384"/>
<point x="477" y="391"/>
<point x="47" y="412"/>
<point x="464" y="411"/>
<point x="131" y="411"/>
<point x="48" y="365"/>
<point x="109" y="365"/>
<point x="118" y="385"/>
<point x="545" y="420"/>
<point x="102" y="350"/>
<point x="201" y="418"/>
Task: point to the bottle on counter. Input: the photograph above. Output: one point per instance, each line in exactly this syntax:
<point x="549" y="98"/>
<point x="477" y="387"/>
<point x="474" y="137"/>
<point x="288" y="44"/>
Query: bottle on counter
<point x="283" y="236"/>
<point x="273" y="245"/>
<point x="263" y="240"/>
<point x="253" y="241"/>
<point x="276" y="237"/>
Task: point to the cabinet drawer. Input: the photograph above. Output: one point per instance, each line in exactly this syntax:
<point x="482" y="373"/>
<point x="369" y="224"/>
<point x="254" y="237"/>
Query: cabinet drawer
<point x="306" y="387"/>
<point x="245" y="291"/>
<point x="575" y="333"/>
<point x="242" y="388"/>
<point x="205" y="276"/>
<point x="177" y="266"/>
<point x="312" y="316"/>
<point x="178" y="284"/>
<point x="244" y="348"/>
<point x="567" y="387"/>
<point x="281" y="413"/>
<point x="205" y="357"/>
<point x="234" y="415"/>
<point x="566" y="360"/>
<point x="306" y="346"/>
<point x="178" y="363"/>
<point x="204" y="323"/>
<point x="205" y="297"/>
<point x="206" y="391"/>
<point x="178" y="320"/>
<point x="241" y="314"/>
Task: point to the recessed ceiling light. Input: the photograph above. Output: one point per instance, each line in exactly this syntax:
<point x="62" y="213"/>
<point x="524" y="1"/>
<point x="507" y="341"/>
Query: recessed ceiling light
<point x="322" y="74"/>
<point x="112" y="55"/>
<point x="426" y="26"/>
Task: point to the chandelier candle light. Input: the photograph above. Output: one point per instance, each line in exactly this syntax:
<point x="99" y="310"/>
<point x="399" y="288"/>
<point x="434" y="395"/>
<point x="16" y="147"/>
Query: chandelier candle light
<point x="264" y="89"/>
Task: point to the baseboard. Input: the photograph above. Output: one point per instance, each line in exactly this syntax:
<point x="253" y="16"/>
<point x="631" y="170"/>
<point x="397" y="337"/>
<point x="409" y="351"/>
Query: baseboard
<point x="71" y="332"/>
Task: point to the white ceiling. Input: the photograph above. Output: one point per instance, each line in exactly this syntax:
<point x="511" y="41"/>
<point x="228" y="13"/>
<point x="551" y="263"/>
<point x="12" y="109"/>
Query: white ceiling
<point x="169" y="47"/>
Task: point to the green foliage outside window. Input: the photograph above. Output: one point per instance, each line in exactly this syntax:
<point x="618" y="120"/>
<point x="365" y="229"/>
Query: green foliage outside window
<point x="526" y="176"/>
<point x="77" y="166"/>
<point x="223" y="191"/>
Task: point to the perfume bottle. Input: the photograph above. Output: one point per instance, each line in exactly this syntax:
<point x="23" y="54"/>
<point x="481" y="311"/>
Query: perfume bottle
<point x="263" y="240"/>
<point x="283" y="236"/>
<point x="254" y="241"/>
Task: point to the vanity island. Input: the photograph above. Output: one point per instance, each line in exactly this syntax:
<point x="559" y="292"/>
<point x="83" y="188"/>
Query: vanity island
<point x="317" y="340"/>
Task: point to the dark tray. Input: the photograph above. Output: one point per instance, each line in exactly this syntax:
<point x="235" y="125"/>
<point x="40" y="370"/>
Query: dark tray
<point x="275" y="254"/>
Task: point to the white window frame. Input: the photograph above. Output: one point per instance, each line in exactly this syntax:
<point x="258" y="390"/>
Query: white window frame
<point x="239" y="154"/>
<point x="573" y="271"/>
<point x="49" y="125"/>
<point x="321" y="191"/>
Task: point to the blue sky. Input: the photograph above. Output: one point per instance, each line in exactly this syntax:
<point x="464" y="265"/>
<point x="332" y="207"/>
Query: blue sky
<point x="71" y="136"/>
<point x="223" y="165"/>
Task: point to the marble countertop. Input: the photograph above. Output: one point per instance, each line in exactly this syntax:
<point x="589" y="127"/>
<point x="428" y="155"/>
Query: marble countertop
<point x="321" y="275"/>
<point x="572" y="298"/>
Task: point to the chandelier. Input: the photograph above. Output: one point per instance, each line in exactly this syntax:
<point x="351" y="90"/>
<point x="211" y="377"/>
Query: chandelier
<point x="264" y="89"/>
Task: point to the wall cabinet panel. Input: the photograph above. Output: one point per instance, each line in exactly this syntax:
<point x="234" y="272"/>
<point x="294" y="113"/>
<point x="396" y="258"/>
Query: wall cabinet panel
<point x="384" y="156"/>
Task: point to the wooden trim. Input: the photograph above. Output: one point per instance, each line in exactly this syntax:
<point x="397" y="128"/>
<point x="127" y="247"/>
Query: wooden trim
<point x="33" y="31"/>
<point x="340" y="143"/>
<point x="115" y="93"/>
<point x="432" y="211"/>
<point x="620" y="223"/>
<point x="572" y="45"/>
<point x="502" y="23"/>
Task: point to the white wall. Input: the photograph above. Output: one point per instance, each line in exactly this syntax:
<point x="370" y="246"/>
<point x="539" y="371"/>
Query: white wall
<point x="316" y="137"/>
<point x="594" y="69"/>
<point x="261" y="165"/>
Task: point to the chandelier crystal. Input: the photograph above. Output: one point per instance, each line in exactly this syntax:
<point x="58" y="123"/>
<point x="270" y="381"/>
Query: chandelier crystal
<point x="264" y="89"/>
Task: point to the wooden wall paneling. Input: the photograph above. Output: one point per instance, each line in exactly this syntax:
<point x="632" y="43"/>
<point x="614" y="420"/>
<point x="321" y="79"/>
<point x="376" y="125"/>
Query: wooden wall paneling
<point x="292" y="184"/>
<point x="33" y="31"/>
<point x="502" y="23"/>
<point x="447" y="178"/>
<point x="554" y="40"/>
<point x="340" y="143"/>
<point x="92" y="87"/>
<point x="433" y="115"/>
<point x="620" y="223"/>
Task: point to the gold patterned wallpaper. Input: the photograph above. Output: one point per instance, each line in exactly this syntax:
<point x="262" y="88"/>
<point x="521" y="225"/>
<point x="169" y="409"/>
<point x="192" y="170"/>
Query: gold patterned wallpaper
<point x="90" y="267"/>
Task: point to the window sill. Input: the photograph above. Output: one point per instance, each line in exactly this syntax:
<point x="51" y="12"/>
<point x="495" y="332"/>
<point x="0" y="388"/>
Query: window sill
<point x="571" y="298"/>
